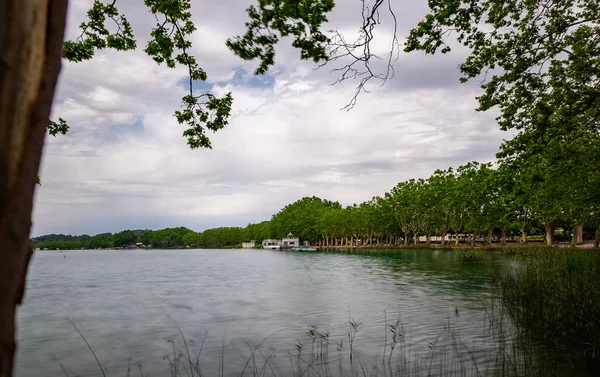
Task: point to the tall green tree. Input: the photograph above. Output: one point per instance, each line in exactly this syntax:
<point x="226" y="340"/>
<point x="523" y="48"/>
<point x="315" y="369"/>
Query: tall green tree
<point x="442" y="187"/>
<point x="124" y="238"/>
<point x="540" y="61"/>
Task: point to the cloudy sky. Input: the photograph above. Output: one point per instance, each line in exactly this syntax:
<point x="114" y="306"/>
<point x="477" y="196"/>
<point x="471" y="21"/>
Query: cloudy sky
<point x="125" y="165"/>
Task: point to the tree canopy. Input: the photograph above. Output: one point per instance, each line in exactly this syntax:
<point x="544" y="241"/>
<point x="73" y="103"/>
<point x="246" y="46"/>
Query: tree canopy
<point x="540" y="62"/>
<point x="473" y="201"/>
<point x="170" y="45"/>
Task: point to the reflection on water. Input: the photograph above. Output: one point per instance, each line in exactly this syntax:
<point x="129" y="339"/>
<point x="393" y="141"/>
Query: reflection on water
<point x="128" y="304"/>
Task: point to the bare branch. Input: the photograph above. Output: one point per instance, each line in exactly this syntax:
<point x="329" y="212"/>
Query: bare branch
<point x="356" y="57"/>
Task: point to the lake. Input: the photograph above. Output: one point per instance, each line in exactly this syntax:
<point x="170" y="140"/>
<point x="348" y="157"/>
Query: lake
<point x="128" y="304"/>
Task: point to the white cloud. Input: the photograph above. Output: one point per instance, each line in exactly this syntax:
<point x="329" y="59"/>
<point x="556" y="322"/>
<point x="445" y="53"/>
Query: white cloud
<point x="125" y="164"/>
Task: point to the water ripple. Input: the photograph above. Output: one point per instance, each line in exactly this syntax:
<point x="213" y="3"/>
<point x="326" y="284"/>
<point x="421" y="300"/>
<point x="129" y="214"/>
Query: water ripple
<point x="129" y="303"/>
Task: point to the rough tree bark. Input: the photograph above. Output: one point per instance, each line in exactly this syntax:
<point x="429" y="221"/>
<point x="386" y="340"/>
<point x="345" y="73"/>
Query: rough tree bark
<point x="549" y="232"/>
<point x="578" y="234"/>
<point x="503" y="236"/>
<point x="523" y="234"/>
<point x="31" y="37"/>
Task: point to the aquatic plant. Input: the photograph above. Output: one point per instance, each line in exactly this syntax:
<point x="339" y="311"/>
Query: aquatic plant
<point x="555" y="294"/>
<point x="503" y="351"/>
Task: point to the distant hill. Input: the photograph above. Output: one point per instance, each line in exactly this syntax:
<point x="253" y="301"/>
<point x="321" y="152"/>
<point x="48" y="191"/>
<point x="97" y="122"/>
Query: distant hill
<point x="67" y="237"/>
<point x="60" y="237"/>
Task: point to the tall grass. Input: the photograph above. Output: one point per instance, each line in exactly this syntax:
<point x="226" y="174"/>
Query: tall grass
<point x="554" y="293"/>
<point x="467" y="256"/>
<point x="500" y="352"/>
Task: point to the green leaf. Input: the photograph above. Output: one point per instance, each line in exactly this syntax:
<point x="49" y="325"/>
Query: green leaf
<point x="58" y="128"/>
<point x="273" y="19"/>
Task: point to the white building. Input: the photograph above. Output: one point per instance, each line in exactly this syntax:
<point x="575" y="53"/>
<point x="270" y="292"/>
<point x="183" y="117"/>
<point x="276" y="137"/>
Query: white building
<point x="271" y="244"/>
<point x="248" y="245"/>
<point x="290" y="241"/>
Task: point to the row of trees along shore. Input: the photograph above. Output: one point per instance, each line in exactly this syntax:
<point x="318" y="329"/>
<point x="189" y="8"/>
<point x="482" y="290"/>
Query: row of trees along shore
<point x="475" y="200"/>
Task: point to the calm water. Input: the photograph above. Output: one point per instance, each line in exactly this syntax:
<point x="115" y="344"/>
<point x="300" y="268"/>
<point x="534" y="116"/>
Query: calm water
<point x="128" y="304"/>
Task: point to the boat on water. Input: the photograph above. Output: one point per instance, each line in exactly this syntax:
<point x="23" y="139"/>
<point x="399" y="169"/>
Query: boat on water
<point x="304" y="248"/>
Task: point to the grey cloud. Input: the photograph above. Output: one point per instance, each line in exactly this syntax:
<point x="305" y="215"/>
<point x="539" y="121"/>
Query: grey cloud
<point x="282" y="142"/>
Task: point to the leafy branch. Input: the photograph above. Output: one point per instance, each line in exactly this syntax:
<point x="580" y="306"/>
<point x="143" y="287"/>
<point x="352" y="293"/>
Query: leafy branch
<point x="95" y="36"/>
<point x="274" y="19"/>
<point x="172" y="33"/>
<point x="170" y="45"/>
<point x="55" y="128"/>
<point x="544" y="57"/>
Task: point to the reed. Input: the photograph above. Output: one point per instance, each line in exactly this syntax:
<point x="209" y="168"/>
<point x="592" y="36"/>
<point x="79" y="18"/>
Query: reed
<point x="502" y="352"/>
<point x="554" y="293"/>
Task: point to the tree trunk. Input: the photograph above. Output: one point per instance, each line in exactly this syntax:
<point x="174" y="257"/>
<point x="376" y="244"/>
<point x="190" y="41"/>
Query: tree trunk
<point x="443" y="242"/>
<point x="472" y="239"/>
<point x="428" y="240"/>
<point x="490" y="235"/>
<point x="456" y="240"/>
<point x="503" y="237"/>
<point x="31" y="37"/>
<point x="578" y="234"/>
<point x="549" y="232"/>
<point x="523" y="234"/>
<point x="406" y="239"/>
<point x="416" y="239"/>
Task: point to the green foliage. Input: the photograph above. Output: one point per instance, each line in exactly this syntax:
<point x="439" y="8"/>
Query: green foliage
<point x="58" y="128"/>
<point x="95" y="35"/>
<point x="301" y="218"/>
<point x="556" y="292"/>
<point x="469" y="256"/>
<point x="164" y="238"/>
<point x="61" y="241"/>
<point x="100" y="241"/>
<point x="191" y="238"/>
<point x="169" y="237"/>
<point x="543" y="59"/>
<point x="275" y="19"/>
<point x="224" y="237"/>
<point x="170" y="45"/>
<point x="124" y="238"/>
<point x="475" y="200"/>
